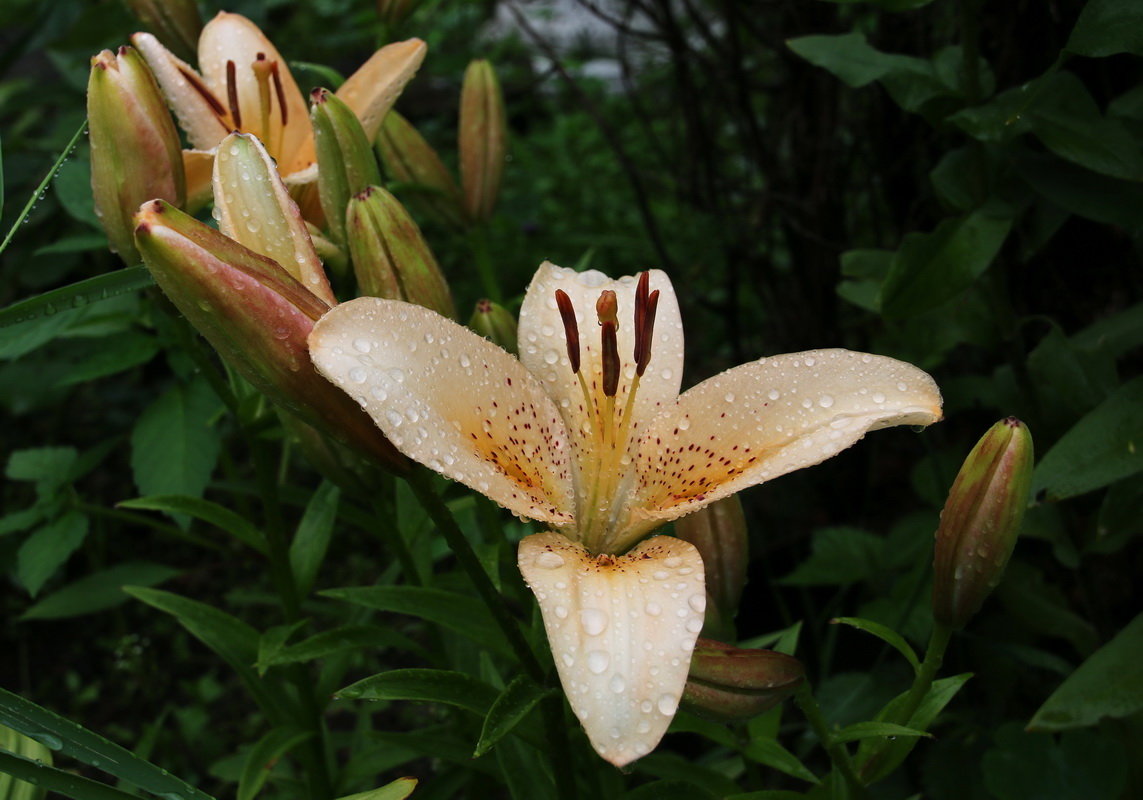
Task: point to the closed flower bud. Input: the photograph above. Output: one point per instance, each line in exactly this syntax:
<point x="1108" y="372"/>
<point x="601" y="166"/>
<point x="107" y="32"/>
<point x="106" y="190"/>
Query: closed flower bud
<point x="346" y="164"/>
<point x="394" y="12"/>
<point x="135" y="151"/>
<point x="390" y="257"/>
<point x="176" y="23"/>
<point x="426" y="183"/>
<point x="483" y="139"/>
<point x="493" y="321"/>
<point x="727" y="683"/>
<point x="980" y="521"/>
<point x="719" y="533"/>
<point x="257" y="316"/>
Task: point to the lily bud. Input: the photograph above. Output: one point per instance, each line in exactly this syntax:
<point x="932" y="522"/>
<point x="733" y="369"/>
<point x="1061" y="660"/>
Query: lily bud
<point x="346" y="164"/>
<point x="980" y="521"/>
<point x="410" y="160"/>
<point x="135" y="151"/>
<point x="390" y="257"/>
<point x="394" y="12"/>
<point x="176" y="23"/>
<point x="719" y="533"/>
<point x="256" y="315"/>
<point x="493" y="321"/>
<point x="727" y="683"/>
<point x="483" y="139"/>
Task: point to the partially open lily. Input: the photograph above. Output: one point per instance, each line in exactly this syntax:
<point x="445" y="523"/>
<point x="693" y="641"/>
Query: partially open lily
<point x="246" y="86"/>
<point x="589" y="435"/>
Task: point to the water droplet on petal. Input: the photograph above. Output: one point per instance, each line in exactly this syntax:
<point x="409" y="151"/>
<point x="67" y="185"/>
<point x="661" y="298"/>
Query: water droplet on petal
<point x="825" y="401"/>
<point x="698" y="602"/>
<point x="878" y="397"/>
<point x="593" y="621"/>
<point x="549" y="560"/>
<point x="597" y="661"/>
<point x="668" y="705"/>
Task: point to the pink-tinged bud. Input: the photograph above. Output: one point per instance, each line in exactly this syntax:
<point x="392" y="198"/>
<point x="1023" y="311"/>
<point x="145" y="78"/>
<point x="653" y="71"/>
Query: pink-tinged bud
<point x="496" y="323"/>
<point x="483" y="139"/>
<point x="135" y="152"/>
<point x="390" y="257"/>
<point x="346" y="164"/>
<point x="426" y="184"/>
<point x="257" y="316"/>
<point x="719" y="533"/>
<point x="980" y="522"/>
<point x="727" y="683"/>
<point x="176" y="23"/>
<point x="394" y="12"/>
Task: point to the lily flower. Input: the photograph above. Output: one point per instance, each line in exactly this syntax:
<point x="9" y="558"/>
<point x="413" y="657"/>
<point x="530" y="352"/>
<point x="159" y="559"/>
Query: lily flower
<point x="246" y="86"/>
<point x="590" y="436"/>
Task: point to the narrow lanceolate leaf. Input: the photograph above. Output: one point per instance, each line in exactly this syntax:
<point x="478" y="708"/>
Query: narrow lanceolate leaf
<point x="426" y="685"/>
<point x="63" y="735"/>
<point x="46" y="550"/>
<point x="76" y="295"/>
<point x="57" y="780"/>
<point x="397" y="790"/>
<point x="339" y="640"/>
<point x="773" y="755"/>
<point x="311" y="541"/>
<point x="264" y="755"/>
<point x="871" y="730"/>
<point x="205" y="510"/>
<point x="885" y="634"/>
<point x="622" y="630"/>
<point x="518" y="698"/>
<point x="99" y="591"/>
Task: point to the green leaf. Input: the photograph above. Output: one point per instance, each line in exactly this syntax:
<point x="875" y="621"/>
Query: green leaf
<point x="1080" y="765"/>
<point x="48" y="465"/>
<point x="886" y="5"/>
<point x="79" y="743"/>
<point x="311" y="541"/>
<point x="518" y="698"/>
<point x="427" y="685"/>
<point x="173" y="446"/>
<point x="1107" y="27"/>
<point x="1108" y="684"/>
<point x="867" y="269"/>
<point x="338" y="640"/>
<point x="397" y="790"/>
<point x="773" y="755"/>
<point x="873" y="730"/>
<point x="1083" y="192"/>
<point x="205" y="510"/>
<point x="273" y="640"/>
<point x="840" y="555"/>
<point x="46" y="550"/>
<point x="264" y="755"/>
<point x="99" y="591"/>
<point x="885" y="634"/>
<point x="932" y="268"/>
<point x="72" y="186"/>
<point x="110" y="355"/>
<point x="53" y="779"/>
<point x="77" y="295"/>
<point x="456" y="612"/>
<point x="1105" y="446"/>
<point x="42" y="187"/>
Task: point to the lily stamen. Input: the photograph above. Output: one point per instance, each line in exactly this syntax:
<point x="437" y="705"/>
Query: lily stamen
<point x="261" y="68"/>
<point x="232" y="96"/>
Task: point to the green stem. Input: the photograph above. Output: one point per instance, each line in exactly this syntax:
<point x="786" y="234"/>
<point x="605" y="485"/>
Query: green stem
<point x="838" y="754"/>
<point x="934" y="655"/>
<point x="478" y="243"/>
<point x="395" y="541"/>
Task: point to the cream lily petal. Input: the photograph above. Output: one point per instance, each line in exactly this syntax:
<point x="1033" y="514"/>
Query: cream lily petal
<point x="622" y="629"/>
<point x="255" y="209"/>
<point x="200" y="113"/>
<point x="452" y="400"/>
<point x="234" y="38"/>
<point x="764" y="419"/>
<point x="372" y="90"/>
<point x="543" y="346"/>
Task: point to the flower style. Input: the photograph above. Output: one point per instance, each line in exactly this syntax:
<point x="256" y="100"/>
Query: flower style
<point x="589" y="436"/>
<point x="246" y="86"/>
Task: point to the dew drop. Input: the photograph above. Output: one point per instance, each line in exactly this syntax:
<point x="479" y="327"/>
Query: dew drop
<point x="358" y="374"/>
<point x="597" y="661"/>
<point x="653" y="609"/>
<point x="668" y="705"/>
<point x="694" y="625"/>
<point x="617" y="683"/>
<point x="878" y="397"/>
<point x="729" y="397"/>
<point x="660" y="575"/>
<point x="698" y="602"/>
<point x="568" y="660"/>
<point x="549" y="560"/>
<point x="394" y="418"/>
<point x="774" y="394"/>
<point x="465" y="361"/>
<point x="901" y="386"/>
<point x="551" y="357"/>
<point x="593" y="621"/>
<point x="561" y="612"/>
<point x="825" y="401"/>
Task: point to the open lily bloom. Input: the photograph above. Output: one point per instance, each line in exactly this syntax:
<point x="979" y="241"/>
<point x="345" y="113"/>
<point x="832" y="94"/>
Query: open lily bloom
<point x="590" y="437"/>
<point x="246" y="86"/>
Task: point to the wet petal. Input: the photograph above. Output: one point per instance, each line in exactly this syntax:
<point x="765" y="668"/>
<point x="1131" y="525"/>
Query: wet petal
<point x="621" y="629"/>
<point x="372" y="90"/>
<point x="255" y="208"/>
<point x="199" y="168"/>
<point x="543" y="346"/>
<point x="200" y="113"/>
<point x="232" y="37"/>
<point x="764" y="419"/>
<point x="451" y="400"/>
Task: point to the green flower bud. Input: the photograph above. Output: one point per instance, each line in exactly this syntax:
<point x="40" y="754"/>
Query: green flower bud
<point x="483" y="139"/>
<point x="980" y="522"/>
<point x="390" y="257"/>
<point x="719" y="533"/>
<point x="346" y="164"/>
<point x="135" y="152"/>
<point x="494" y="322"/>
<point x="257" y="316"/>
<point x="426" y="183"/>
<point x="727" y="683"/>
<point x="176" y="23"/>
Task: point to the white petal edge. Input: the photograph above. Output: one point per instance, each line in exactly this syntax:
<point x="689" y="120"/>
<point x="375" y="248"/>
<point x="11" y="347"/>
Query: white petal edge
<point x="763" y="419"/>
<point x="194" y="113"/>
<point x="451" y="400"/>
<point x="622" y="630"/>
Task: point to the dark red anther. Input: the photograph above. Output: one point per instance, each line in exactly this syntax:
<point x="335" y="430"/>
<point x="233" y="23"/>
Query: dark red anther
<point x="646" y="303"/>
<point x="232" y="96"/>
<point x="206" y="94"/>
<point x="571" y="327"/>
<point x="282" y="110"/>
<point x="610" y="356"/>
